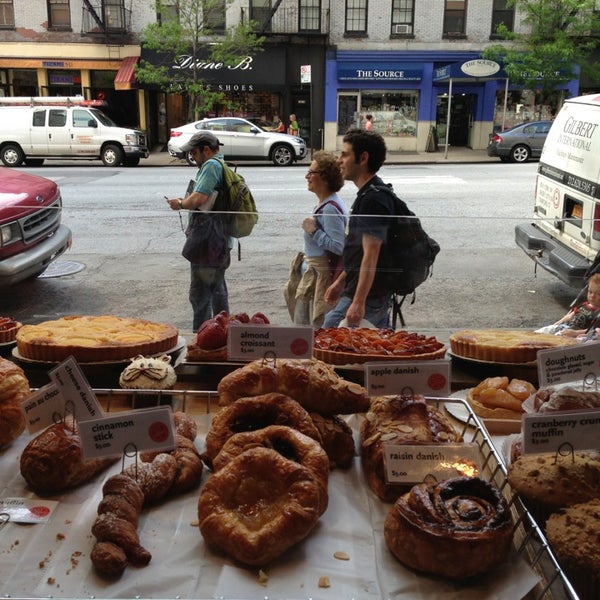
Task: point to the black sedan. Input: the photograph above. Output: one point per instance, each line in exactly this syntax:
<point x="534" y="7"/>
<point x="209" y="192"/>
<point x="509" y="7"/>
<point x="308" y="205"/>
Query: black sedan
<point x="520" y="143"/>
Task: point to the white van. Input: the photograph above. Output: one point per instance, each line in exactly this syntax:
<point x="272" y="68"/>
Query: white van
<point x="34" y="129"/>
<point x="564" y="237"/>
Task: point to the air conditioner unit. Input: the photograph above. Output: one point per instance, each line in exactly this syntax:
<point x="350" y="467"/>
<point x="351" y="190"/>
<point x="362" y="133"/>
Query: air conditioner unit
<point x="401" y="29"/>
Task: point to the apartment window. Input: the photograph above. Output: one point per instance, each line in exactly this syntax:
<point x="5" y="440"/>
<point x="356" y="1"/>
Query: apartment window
<point x="403" y="12"/>
<point x="309" y="15"/>
<point x="501" y="13"/>
<point x="166" y="11"/>
<point x="7" y="13"/>
<point x="356" y="17"/>
<point x="214" y="14"/>
<point x="455" y="17"/>
<point x="260" y="11"/>
<point x="114" y="15"/>
<point x="59" y="14"/>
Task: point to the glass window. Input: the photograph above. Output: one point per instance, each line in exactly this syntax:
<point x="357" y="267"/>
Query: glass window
<point x="501" y="13"/>
<point x="57" y="117"/>
<point x="7" y="13"/>
<point x="59" y="13"/>
<point x="394" y="113"/>
<point x="310" y="15"/>
<point x="166" y="11"/>
<point x="260" y="11"/>
<point x="403" y="12"/>
<point x="214" y="14"/>
<point x="39" y="117"/>
<point x="24" y="82"/>
<point x="81" y="118"/>
<point x="356" y="16"/>
<point x="455" y="17"/>
<point x="115" y="15"/>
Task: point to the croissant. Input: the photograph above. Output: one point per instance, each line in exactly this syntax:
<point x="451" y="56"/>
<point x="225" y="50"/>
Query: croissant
<point x="52" y="461"/>
<point x="14" y="387"/>
<point x="312" y="383"/>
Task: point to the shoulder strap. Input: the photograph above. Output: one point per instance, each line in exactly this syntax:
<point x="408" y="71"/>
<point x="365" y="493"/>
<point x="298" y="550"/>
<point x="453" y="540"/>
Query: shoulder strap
<point x="333" y="203"/>
<point x="401" y="206"/>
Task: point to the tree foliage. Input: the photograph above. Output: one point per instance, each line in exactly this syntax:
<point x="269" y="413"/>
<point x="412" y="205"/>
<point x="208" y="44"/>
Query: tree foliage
<point x="560" y="38"/>
<point x="185" y="30"/>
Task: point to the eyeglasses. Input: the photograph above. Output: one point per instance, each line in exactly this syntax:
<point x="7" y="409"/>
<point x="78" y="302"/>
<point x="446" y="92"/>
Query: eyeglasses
<point x="310" y="172"/>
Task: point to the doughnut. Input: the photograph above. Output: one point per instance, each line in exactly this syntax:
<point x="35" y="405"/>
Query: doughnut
<point x="258" y="505"/>
<point x="289" y="443"/>
<point x="456" y="529"/>
<point x="249" y="414"/>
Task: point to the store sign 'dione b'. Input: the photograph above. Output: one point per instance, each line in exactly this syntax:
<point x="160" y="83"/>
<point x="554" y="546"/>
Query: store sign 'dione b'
<point x="378" y="71"/>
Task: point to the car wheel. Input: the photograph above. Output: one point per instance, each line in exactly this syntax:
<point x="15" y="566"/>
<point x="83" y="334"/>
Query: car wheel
<point x="112" y="155"/>
<point x="282" y="155"/>
<point x="520" y="154"/>
<point x="131" y="161"/>
<point x="12" y="155"/>
<point x="190" y="160"/>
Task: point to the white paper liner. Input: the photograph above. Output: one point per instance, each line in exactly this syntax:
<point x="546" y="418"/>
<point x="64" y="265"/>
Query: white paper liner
<point x="53" y="559"/>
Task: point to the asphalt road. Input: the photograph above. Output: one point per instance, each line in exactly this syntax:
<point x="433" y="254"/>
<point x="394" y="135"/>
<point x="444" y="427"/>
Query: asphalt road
<point x="129" y="243"/>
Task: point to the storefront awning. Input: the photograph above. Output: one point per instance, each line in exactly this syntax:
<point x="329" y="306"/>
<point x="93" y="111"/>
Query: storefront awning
<point x="125" y="78"/>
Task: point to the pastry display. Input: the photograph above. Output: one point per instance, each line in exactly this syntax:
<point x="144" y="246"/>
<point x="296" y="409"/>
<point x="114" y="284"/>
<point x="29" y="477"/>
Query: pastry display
<point x="547" y="482"/>
<point x="8" y="330"/>
<point x="399" y="420"/>
<point x="312" y="383"/>
<point x="343" y="345"/>
<point x="457" y="529"/>
<point x="250" y="414"/>
<point x="94" y="339"/>
<point x="52" y="461"/>
<point x="210" y="341"/>
<point x="337" y="440"/>
<point x="500" y="398"/>
<point x="550" y="399"/>
<point x="574" y="535"/>
<point x="258" y="505"/>
<point x="148" y="373"/>
<point x="504" y="345"/>
<point x="14" y="387"/>
<point x="289" y="443"/>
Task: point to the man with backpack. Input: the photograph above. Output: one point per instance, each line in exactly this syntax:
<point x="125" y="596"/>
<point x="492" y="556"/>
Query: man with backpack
<point x="359" y="292"/>
<point x="208" y="290"/>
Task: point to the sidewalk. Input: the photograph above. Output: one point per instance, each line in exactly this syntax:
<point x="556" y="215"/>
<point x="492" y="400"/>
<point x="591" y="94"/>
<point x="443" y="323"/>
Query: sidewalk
<point x="158" y="157"/>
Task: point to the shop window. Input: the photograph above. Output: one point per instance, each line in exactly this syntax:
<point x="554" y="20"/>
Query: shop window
<point x="7" y="14"/>
<point x="309" y="15"/>
<point x="347" y="111"/>
<point x="3" y="82"/>
<point x="214" y="14"/>
<point x="502" y="13"/>
<point x="455" y="18"/>
<point x="394" y="113"/>
<point x="166" y="11"/>
<point x="520" y="107"/>
<point x="403" y="14"/>
<point x="356" y="17"/>
<point x="59" y="14"/>
<point x="24" y="82"/>
<point x="260" y="11"/>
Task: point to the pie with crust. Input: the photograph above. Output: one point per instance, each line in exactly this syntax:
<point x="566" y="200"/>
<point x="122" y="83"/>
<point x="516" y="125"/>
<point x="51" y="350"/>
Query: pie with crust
<point x="94" y="339"/>
<point x="504" y="345"/>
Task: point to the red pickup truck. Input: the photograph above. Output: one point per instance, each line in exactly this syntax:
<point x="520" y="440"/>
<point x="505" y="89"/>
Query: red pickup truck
<point x="31" y="234"/>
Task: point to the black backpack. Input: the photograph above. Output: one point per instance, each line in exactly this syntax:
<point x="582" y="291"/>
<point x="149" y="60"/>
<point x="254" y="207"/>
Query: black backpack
<point x="407" y="258"/>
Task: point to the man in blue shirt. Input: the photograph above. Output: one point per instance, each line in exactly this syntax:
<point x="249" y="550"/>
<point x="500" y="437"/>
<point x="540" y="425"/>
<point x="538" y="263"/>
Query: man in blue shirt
<point x="208" y="290"/>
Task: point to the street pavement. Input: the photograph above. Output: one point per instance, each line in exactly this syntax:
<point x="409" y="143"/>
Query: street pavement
<point x="160" y="157"/>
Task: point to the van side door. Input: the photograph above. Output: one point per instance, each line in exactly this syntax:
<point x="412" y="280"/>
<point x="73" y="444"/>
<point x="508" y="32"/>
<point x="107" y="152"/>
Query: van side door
<point x="38" y="133"/>
<point x="84" y="133"/>
<point x="59" y="135"/>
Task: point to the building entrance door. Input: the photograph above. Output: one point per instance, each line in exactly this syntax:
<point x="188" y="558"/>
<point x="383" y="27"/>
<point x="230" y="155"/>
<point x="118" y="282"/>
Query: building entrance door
<point x="461" y="119"/>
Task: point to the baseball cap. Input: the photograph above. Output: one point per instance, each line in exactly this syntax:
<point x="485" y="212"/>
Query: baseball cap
<point x="202" y="138"/>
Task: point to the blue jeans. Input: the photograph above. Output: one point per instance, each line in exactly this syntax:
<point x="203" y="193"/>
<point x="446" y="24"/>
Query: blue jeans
<point x="377" y="311"/>
<point x="208" y="293"/>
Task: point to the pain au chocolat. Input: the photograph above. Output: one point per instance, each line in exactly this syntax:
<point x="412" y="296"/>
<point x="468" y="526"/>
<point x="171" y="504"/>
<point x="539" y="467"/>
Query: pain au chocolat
<point x="504" y="345"/>
<point x="94" y="339"/>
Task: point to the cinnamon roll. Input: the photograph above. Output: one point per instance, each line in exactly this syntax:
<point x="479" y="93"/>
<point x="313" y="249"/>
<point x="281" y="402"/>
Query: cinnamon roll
<point x="456" y="529"/>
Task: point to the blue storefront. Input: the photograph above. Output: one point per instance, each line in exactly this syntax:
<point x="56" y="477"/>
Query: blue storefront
<point x="409" y="93"/>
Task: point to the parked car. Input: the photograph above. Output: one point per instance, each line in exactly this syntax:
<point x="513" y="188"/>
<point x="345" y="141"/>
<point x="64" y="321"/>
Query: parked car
<point x="31" y="234"/>
<point x="242" y="140"/>
<point x="520" y="143"/>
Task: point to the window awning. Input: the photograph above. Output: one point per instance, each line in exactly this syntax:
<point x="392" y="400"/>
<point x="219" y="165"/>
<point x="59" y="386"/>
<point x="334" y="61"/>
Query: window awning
<point x="125" y="78"/>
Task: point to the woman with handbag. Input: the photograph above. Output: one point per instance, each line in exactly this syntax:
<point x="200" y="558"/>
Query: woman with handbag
<point x="324" y="232"/>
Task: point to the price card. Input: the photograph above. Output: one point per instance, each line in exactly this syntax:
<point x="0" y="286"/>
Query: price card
<point x="569" y="363"/>
<point x="248" y="341"/>
<point x="74" y="388"/>
<point x="413" y="464"/>
<point x="547" y="432"/>
<point x="27" y="510"/>
<point x="42" y="407"/>
<point x="150" y="429"/>
<point x="427" y="377"/>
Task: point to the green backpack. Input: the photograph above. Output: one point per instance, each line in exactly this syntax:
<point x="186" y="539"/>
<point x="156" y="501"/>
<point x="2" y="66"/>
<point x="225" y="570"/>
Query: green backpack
<point x="237" y="199"/>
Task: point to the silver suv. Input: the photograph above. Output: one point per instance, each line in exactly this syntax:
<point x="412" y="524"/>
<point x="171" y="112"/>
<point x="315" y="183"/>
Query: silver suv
<point x="242" y="140"/>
